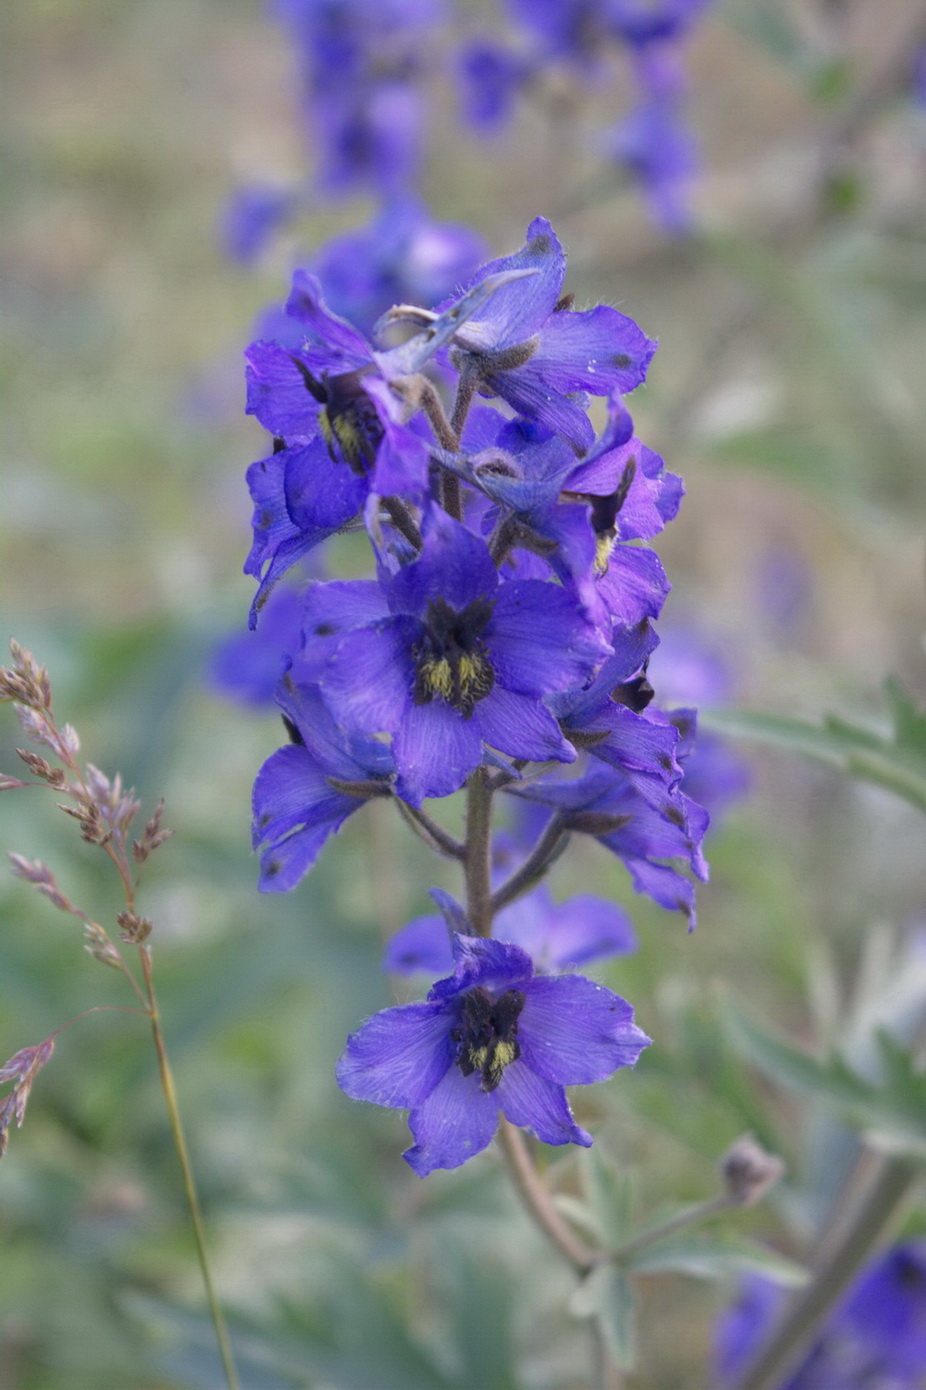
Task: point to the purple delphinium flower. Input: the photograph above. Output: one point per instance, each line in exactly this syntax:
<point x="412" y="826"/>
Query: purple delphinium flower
<point x="247" y="666"/>
<point x="251" y="217"/>
<point x="362" y="65"/>
<point x="491" y="78"/>
<point x="655" y="145"/>
<point x="305" y="791"/>
<point x="459" y="658"/>
<point x="554" y="935"/>
<point x="493" y="1037"/>
<point x="874" y="1340"/>
<point x="638" y="818"/>
<point x="402" y="257"/>
<point x="644" y="22"/>
<point x="341" y="440"/>
<point x="533" y="351"/>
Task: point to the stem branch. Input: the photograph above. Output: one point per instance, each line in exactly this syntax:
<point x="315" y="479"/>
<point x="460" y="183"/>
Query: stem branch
<point x="550" y="845"/>
<point x="428" y="830"/>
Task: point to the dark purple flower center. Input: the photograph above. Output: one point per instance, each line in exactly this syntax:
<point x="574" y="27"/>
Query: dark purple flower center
<point x="348" y="420"/>
<point x="488" y="1034"/>
<point x="450" y="659"/>
<point x="352" y="429"/>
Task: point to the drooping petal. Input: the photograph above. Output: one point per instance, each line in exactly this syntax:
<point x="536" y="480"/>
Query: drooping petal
<point x="291" y="790"/>
<point x="435" y="750"/>
<point x="278" y="394"/>
<point x="664" y="885"/>
<point x="598" y="350"/>
<point x="347" y="756"/>
<point x="573" y="1031"/>
<point x="284" y="863"/>
<point x="522" y="727"/>
<point x="539" y="1106"/>
<point x="456" y="1121"/>
<point x="398" y="1056"/>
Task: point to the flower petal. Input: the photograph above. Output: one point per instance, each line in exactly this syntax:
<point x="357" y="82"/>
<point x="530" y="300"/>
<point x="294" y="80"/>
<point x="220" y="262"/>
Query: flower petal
<point x="367" y="684"/>
<point x="539" y="1106"/>
<point x="435" y="750"/>
<point x="573" y="1031"/>
<point x="522" y="727"/>
<point x="598" y="350"/>
<point x="538" y="639"/>
<point x="456" y="1121"/>
<point x="398" y="1056"/>
<point x="422" y="945"/>
<point x="319" y="492"/>
<point x="277" y="393"/>
<point x="516" y="311"/>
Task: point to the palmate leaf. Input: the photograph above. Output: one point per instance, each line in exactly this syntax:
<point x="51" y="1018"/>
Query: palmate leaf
<point x="895" y="761"/>
<point x="891" y="1111"/>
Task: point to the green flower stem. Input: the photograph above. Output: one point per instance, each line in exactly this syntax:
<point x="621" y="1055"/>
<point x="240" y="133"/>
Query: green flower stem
<point x="477" y="860"/>
<point x="704" y="1211"/>
<point x="189" y="1183"/>
<point x="891" y="1186"/>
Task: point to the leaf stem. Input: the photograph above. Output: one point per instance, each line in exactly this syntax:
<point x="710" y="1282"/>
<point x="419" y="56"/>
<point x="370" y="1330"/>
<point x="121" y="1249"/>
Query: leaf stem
<point x="703" y="1211"/>
<point x="189" y="1182"/>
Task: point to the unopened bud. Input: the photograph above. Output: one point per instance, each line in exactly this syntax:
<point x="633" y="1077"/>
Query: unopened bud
<point x="748" y="1171"/>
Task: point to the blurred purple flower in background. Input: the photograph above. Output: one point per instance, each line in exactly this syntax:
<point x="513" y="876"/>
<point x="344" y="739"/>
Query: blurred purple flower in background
<point x="874" y="1340"/>
<point x="554" y="935"/>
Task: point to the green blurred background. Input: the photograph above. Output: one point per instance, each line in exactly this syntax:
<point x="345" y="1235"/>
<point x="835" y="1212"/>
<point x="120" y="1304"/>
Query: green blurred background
<point x="788" y="390"/>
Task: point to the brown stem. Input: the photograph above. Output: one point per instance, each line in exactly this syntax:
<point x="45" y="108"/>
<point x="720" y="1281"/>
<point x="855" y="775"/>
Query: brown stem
<point x="536" y="1197"/>
<point x="478" y="853"/>
<point x="428" y="830"/>
<point x="403" y="520"/>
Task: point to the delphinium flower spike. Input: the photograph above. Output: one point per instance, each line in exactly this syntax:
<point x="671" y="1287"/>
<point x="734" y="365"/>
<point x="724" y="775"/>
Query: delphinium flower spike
<point x="505" y="629"/>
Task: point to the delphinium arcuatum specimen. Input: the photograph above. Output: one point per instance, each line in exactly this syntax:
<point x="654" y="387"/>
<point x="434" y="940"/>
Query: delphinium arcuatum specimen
<point x="500" y="644"/>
